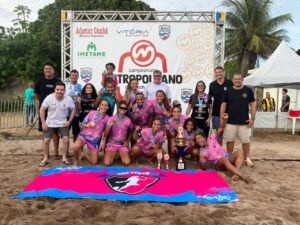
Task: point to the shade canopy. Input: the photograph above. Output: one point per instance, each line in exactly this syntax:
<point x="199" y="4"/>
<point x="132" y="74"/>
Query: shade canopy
<point x="282" y="69"/>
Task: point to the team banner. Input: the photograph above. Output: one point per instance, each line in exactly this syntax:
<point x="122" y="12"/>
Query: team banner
<point x="184" y="52"/>
<point x="125" y="184"/>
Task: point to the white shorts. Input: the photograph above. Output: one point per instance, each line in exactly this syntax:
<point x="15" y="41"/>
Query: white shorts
<point x="241" y="131"/>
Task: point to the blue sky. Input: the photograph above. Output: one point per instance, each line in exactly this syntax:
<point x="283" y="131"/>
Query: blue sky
<point x="279" y="7"/>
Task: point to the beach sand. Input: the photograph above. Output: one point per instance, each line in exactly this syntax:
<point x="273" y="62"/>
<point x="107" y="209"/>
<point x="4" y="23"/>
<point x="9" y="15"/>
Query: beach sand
<point x="274" y="199"/>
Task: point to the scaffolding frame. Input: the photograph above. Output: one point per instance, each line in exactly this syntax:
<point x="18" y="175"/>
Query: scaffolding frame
<point x="68" y="17"/>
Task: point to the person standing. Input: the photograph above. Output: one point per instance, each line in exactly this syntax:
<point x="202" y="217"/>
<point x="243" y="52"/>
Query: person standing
<point x="200" y="103"/>
<point x="236" y="102"/>
<point x="268" y="103"/>
<point x="73" y="90"/>
<point x="44" y="87"/>
<point x="285" y="103"/>
<point x="156" y="85"/>
<point x="216" y="92"/>
<point x="30" y="109"/>
<point x="58" y="105"/>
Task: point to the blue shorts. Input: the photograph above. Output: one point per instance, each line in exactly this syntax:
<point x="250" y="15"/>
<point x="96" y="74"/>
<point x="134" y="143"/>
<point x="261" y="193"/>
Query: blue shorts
<point x="215" y="122"/>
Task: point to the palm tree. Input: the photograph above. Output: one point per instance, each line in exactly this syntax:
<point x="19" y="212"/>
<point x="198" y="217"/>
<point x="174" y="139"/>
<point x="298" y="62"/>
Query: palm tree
<point x="251" y="32"/>
<point x="23" y="13"/>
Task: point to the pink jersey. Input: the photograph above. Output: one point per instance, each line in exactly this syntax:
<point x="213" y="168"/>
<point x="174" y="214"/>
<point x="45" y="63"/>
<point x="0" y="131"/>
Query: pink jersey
<point x="119" y="131"/>
<point x="92" y="135"/>
<point x="158" y="111"/>
<point x="175" y="123"/>
<point x="144" y="114"/>
<point x="148" y="138"/>
<point x="213" y="152"/>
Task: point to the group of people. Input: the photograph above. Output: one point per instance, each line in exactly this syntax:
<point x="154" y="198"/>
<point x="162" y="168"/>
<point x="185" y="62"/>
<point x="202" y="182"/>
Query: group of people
<point x="145" y="122"/>
<point x="268" y="103"/>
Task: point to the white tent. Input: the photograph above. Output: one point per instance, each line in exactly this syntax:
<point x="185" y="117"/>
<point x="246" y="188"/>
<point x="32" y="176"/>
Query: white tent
<point x="282" y="69"/>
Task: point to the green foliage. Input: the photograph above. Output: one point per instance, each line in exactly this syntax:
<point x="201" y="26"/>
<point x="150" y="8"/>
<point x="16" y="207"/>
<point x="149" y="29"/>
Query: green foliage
<point x="230" y="67"/>
<point x="252" y="32"/>
<point x="24" y="49"/>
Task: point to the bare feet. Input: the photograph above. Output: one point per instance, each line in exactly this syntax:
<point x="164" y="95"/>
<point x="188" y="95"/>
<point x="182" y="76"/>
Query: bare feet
<point x="249" y="180"/>
<point x="235" y="178"/>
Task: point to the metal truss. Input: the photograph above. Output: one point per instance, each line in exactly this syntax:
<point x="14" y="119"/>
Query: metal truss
<point x="220" y="44"/>
<point x="68" y="17"/>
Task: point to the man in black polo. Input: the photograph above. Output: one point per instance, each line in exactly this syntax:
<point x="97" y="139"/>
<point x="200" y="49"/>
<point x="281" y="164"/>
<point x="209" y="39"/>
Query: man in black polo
<point x="236" y="103"/>
<point x="216" y="93"/>
<point x="43" y="87"/>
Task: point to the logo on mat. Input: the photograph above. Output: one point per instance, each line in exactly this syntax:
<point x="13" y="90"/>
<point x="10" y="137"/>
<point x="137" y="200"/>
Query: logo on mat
<point x="86" y="74"/>
<point x="143" y="53"/>
<point x="130" y="185"/>
<point x="186" y="94"/>
<point x="164" y="31"/>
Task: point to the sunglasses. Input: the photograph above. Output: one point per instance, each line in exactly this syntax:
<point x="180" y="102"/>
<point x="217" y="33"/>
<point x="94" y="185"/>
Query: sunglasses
<point x="124" y="108"/>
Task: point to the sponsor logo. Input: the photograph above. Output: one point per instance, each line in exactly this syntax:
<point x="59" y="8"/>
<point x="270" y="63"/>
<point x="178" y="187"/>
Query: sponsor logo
<point x="86" y="74"/>
<point x="91" y="32"/>
<point x="186" y="94"/>
<point x="164" y="31"/>
<point x="130" y="184"/>
<point x="91" y="51"/>
<point x="133" y="32"/>
<point x="143" y="53"/>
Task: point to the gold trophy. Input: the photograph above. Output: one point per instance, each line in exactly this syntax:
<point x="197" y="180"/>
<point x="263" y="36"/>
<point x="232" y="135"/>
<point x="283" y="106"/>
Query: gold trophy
<point x="180" y="145"/>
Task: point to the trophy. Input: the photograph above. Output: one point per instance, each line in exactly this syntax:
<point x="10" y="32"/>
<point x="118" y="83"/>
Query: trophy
<point x="166" y="159"/>
<point x="159" y="158"/>
<point x="180" y="145"/>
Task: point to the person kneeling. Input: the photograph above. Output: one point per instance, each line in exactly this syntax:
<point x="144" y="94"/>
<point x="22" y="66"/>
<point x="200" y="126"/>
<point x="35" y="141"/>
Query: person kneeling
<point x="94" y="125"/>
<point x="118" y="129"/>
<point x="150" y="142"/>
<point x="211" y="153"/>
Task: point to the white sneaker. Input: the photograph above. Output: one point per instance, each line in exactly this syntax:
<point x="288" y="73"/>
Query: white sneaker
<point x="248" y="162"/>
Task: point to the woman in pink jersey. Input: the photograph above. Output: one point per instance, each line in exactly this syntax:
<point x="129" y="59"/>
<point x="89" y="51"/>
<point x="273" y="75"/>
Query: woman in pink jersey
<point x="150" y="142"/>
<point x="94" y="125"/>
<point x="161" y="107"/>
<point x="118" y="131"/>
<point x="131" y="93"/>
<point x="172" y="125"/>
<point x="189" y="131"/>
<point x="142" y="112"/>
<point x="212" y="154"/>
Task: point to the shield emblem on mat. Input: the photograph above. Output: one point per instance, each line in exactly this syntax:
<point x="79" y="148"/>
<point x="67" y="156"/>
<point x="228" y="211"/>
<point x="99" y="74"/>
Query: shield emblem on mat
<point x="164" y="31"/>
<point x="130" y="184"/>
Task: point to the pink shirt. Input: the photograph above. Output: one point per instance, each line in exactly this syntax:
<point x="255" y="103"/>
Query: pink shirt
<point x="144" y="114"/>
<point x="175" y="123"/>
<point x="213" y="152"/>
<point x="158" y="111"/>
<point x="148" y="138"/>
<point x="119" y="131"/>
<point x="95" y="132"/>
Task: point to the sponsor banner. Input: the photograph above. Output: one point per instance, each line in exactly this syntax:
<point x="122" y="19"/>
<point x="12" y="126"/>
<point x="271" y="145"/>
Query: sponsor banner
<point x="184" y="52"/>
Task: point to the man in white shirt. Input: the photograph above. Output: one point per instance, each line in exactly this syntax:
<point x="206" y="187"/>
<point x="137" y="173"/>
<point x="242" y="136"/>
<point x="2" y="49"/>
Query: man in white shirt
<point x="157" y="84"/>
<point x="58" y="105"/>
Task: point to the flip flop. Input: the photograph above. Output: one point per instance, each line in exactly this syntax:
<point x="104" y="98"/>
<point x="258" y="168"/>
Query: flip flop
<point x="43" y="164"/>
<point x="66" y="162"/>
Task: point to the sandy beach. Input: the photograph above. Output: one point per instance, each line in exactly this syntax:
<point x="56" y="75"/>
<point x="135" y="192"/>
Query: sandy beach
<point x="274" y="199"/>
